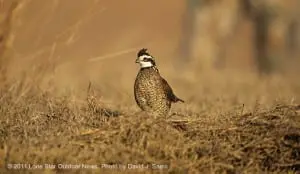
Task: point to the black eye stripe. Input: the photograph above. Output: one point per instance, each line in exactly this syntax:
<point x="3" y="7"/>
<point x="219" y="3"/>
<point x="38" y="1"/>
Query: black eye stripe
<point x="147" y="59"/>
<point x="150" y="60"/>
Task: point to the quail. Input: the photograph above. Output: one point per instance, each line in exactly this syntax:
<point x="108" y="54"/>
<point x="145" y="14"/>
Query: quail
<point x="152" y="92"/>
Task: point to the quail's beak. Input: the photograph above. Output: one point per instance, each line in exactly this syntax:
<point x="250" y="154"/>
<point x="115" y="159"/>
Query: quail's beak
<point x="137" y="60"/>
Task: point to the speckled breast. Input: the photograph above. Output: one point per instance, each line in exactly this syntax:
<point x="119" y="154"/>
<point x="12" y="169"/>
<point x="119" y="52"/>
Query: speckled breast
<point x="149" y="92"/>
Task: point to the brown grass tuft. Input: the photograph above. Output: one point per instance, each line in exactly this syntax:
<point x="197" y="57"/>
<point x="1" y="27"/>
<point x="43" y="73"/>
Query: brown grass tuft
<point x="41" y="129"/>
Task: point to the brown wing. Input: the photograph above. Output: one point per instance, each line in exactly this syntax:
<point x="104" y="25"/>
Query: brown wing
<point x="171" y="96"/>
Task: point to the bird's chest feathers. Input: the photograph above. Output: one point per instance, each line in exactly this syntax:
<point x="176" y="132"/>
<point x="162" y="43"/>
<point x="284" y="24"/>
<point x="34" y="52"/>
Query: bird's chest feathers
<point x="148" y="78"/>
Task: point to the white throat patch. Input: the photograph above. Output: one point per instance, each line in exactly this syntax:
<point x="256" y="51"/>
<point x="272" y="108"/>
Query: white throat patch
<point x="146" y="64"/>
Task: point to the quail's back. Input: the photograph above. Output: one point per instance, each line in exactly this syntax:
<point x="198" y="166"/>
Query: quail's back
<point x="152" y="92"/>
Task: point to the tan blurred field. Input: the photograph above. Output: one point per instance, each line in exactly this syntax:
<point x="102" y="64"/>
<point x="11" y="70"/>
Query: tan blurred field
<point x="233" y="121"/>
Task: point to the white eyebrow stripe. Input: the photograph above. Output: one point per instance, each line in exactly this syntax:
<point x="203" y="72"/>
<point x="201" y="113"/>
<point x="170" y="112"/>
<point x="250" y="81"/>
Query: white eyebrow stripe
<point x="145" y="56"/>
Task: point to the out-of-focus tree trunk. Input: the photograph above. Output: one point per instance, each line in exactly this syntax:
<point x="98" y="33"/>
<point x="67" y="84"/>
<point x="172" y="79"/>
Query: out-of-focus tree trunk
<point x="188" y="30"/>
<point x="292" y="38"/>
<point x="203" y="24"/>
<point x="260" y="19"/>
<point x="261" y="29"/>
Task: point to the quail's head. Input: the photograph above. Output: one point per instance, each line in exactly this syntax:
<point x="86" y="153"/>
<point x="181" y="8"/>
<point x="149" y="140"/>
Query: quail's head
<point x="145" y="59"/>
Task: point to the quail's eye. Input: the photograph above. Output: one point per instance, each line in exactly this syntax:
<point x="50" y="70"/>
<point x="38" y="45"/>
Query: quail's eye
<point x="147" y="59"/>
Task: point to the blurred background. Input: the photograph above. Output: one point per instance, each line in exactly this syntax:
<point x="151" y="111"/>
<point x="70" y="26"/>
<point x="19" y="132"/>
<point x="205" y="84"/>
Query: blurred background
<point x="243" y="34"/>
<point x="65" y="44"/>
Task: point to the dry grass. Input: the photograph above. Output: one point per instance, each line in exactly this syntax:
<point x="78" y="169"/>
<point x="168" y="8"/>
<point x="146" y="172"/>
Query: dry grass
<point x="38" y="128"/>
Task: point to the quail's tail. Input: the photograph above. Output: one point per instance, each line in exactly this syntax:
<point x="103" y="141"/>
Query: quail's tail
<point x="176" y="99"/>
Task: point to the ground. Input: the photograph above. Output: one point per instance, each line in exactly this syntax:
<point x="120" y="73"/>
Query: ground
<point x="253" y="127"/>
